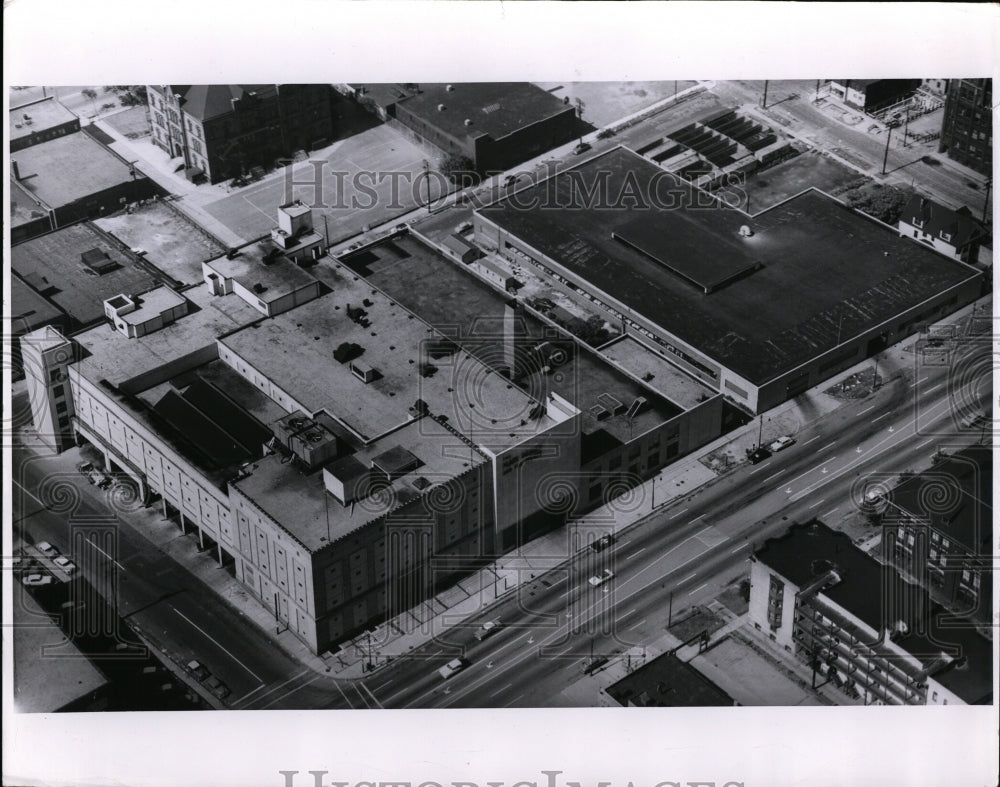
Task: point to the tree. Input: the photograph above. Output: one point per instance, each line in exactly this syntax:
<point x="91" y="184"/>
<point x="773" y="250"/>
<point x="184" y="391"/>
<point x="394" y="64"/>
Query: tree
<point x="460" y="170"/>
<point x="580" y="106"/>
<point x="89" y="92"/>
<point x="884" y="203"/>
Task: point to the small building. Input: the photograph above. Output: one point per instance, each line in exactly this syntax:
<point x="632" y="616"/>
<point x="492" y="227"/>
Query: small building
<point x="937" y="529"/>
<point x="74" y="177"/>
<point x="871" y="95"/>
<point x="29" y="218"/>
<point x="952" y="232"/>
<point x="464" y="250"/>
<point x="668" y="682"/>
<point x="40" y="121"/>
<point x="138" y="315"/>
<point x="861" y="627"/>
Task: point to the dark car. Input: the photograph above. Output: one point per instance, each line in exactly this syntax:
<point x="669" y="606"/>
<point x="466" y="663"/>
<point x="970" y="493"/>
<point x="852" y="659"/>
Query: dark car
<point x="582" y="147"/>
<point x="603" y="542"/>
<point x="758" y="455"/>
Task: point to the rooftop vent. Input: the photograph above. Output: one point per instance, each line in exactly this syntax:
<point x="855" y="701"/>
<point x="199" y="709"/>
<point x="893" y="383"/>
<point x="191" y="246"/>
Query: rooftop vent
<point x="745" y="231"/>
<point x="467" y="122"/>
<point x="259" y="288"/>
<point x="449" y="88"/>
<point x="440" y="107"/>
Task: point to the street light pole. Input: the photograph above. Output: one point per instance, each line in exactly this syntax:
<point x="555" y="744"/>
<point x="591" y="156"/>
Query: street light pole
<point x="885" y="157"/>
<point x="986" y="202"/>
<point x="763" y="104"/>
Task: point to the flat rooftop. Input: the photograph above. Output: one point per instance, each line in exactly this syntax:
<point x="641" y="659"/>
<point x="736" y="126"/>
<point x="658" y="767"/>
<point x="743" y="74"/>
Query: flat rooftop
<point x="460" y="304"/>
<point x="275" y="278"/>
<point x="152" y="303"/>
<point x="47" y="684"/>
<point x="821" y="262"/>
<point x="53" y="265"/>
<point x="28" y="309"/>
<point x="69" y="168"/>
<point x="172" y="243"/>
<point x="296" y="351"/>
<point x="44" y="114"/>
<point x="667" y="681"/>
<point x="23" y="207"/>
<point x="300" y="503"/>
<point x="497" y="109"/>
<point x="116" y="358"/>
<point x="877" y="595"/>
<point x="635" y="357"/>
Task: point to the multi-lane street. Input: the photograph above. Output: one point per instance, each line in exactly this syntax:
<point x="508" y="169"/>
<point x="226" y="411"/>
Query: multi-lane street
<point x="682" y="555"/>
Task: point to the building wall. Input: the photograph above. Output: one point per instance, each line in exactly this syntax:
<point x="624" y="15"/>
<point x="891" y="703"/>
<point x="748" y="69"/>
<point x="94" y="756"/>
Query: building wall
<point x="967" y="254"/>
<point x="967" y="128"/>
<point x="104" y="202"/>
<point x="46" y="368"/>
<point x="772" y="603"/>
<point x="44" y="135"/>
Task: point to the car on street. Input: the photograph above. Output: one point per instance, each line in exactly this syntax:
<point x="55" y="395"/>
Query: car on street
<point x="401" y="227"/>
<point x="758" y="455"/>
<point x="465" y="226"/>
<point x="780" y="444"/>
<point x="199" y="670"/>
<point x="603" y="542"/>
<point x="65" y="564"/>
<point x="46" y="548"/>
<point x="84" y="467"/>
<point x="452" y="668"/>
<point x="581" y="147"/>
<point x="216" y="687"/>
<point x="34" y="580"/>
<point x="488" y="629"/>
<point x="103" y="480"/>
<point x="600" y="579"/>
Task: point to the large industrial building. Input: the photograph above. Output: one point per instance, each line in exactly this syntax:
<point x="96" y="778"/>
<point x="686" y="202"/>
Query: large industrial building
<point x="860" y="626"/>
<point x="759" y="307"/>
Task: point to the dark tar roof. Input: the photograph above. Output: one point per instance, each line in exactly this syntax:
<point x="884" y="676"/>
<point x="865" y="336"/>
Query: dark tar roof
<point x="938" y="220"/>
<point x="823" y="264"/>
<point x="495" y="108"/>
<point x="878" y="596"/>
<point x="668" y="682"/>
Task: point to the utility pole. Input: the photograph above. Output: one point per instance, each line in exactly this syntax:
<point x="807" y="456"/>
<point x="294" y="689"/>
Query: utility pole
<point x="763" y="104"/>
<point x="906" y="126"/>
<point x="986" y="202"/>
<point x="885" y="157"/>
<point x="670" y="609"/>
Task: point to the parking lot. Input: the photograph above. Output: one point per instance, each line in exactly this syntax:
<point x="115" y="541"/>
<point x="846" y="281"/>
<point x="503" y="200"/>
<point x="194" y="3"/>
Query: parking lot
<point x="606" y="102"/>
<point x="775" y="184"/>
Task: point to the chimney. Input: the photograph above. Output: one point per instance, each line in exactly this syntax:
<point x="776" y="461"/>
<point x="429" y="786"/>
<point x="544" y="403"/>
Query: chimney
<point x="15" y="170"/>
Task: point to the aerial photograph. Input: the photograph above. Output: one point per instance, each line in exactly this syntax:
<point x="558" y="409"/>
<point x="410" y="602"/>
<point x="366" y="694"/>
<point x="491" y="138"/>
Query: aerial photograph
<point x="509" y="394"/>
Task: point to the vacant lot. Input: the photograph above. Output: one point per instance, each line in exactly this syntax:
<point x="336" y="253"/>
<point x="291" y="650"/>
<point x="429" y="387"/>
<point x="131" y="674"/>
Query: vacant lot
<point x="787" y="179"/>
<point x="360" y="181"/>
<point x="131" y="123"/>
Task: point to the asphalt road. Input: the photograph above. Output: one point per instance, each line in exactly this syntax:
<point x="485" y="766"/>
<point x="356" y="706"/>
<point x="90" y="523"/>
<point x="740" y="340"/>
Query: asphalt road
<point x="687" y="551"/>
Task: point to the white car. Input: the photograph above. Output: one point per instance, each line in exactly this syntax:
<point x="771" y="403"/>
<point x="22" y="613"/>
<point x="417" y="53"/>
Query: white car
<point x="65" y="564"/>
<point x="32" y="580"/>
<point x="601" y="578"/>
<point x="781" y="444"/>
<point x="46" y="548"/>
<point x="451" y="668"/>
<point x="489" y="628"/>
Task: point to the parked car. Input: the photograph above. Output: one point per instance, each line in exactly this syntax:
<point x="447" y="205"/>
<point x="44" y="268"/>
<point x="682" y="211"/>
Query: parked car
<point x="401" y="227"/>
<point x="85" y="467"/>
<point x="217" y="687"/>
<point x="780" y="444"/>
<point x="758" y="455"/>
<point x="465" y="226"/>
<point x="452" y="668"/>
<point x="199" y="670"/>
<point x="488" y="629"/>
<point x="46" y="548"/>
<point x="599" y="579"/>
<point x="581" y="147"/>
<point x="603" y="542"/>
<point x="65" y="564"/>
<point x="34" y="580"/>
